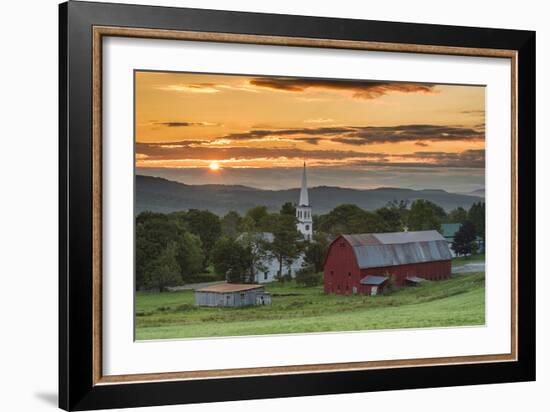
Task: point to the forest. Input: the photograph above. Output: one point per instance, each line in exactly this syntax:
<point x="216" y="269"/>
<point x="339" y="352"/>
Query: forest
<point x="197" y="245"/>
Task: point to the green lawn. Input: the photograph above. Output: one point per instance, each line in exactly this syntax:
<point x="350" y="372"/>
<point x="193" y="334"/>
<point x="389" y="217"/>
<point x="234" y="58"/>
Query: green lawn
<point x="455" y="302"/>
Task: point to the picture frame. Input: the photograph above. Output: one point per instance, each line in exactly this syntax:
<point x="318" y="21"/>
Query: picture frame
<point x="82" y="383"/>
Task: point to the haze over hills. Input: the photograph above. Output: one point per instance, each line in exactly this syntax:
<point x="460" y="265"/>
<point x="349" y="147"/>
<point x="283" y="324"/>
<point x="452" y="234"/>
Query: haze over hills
<point x="160" y="195"/>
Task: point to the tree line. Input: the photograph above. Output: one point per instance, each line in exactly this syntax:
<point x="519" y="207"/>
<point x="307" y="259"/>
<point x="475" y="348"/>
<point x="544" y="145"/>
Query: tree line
<point x="187" y="246"/>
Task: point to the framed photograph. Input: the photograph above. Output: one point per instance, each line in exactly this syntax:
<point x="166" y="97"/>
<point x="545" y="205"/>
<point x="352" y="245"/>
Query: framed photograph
<point x="256" y="206"/>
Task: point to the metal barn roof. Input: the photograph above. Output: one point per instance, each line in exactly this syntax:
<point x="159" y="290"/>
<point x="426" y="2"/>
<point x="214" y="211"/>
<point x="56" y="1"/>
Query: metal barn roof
<point x="228" y="288"/>
<point x="393" y="238"/>
<point x="373" y="280"/>
<point x="373" y="250"/>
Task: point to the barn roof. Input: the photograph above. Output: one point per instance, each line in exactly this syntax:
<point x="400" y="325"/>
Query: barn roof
<point x="393" y="238"/>
<point x="228" y="288"/>
<point x="373" y="280"/>
<point x="373" y="250"/>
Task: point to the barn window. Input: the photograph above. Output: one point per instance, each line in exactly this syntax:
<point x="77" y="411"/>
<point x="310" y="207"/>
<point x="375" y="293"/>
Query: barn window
<point x="332" y="273"/>
<point x="342" y="244"/>
<point x="349" y="274"/>
<point x="242" y="295"/>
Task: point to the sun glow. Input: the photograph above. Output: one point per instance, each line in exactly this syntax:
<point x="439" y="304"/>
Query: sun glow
<point x="214" y="166"/>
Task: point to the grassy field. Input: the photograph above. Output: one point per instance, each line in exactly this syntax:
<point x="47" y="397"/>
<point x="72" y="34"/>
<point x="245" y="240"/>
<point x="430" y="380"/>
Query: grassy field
<point x="295" y="309"/>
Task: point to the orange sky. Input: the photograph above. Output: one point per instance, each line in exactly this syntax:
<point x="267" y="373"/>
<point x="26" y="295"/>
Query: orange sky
<point x="186" y="120"/>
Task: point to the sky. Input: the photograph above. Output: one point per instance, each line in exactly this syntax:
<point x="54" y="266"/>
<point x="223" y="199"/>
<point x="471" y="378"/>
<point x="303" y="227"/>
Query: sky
<point x="259" y="130"/>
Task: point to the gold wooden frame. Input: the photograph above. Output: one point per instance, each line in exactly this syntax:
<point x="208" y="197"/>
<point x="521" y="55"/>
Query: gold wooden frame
<point x="101" y="31"/>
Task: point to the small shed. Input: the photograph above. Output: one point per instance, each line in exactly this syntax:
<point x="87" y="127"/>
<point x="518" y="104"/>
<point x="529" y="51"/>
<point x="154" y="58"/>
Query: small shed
<point x="373" y="283"/>
<point x="232" y="295"/>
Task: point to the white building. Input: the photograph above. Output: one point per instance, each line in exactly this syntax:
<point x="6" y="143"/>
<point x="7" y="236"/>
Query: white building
<point x="303" y="210"/>
<point x="268" y="268"/>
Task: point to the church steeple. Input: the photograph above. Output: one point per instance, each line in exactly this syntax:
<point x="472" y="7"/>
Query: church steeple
<point x="304" y="198"/>
<point x="303" y="210"/>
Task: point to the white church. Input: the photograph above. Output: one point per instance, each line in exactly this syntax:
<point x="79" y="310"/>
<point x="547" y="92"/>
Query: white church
<point x="304" y="216"/>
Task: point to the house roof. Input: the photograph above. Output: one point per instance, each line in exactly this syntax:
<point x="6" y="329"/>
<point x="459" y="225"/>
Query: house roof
<point x="228" y="288"/>
<point x="373" y="280"/>
<point x="265" y="236"/>
<point x="450" y="229"/>
<point x="373" y="250"/>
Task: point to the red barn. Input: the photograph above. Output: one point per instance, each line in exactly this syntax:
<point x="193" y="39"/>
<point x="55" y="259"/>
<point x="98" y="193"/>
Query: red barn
<point x="364" y="263"/>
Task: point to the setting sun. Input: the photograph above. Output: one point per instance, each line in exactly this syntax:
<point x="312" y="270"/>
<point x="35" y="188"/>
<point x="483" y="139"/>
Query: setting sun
<point x="214" y="166"/>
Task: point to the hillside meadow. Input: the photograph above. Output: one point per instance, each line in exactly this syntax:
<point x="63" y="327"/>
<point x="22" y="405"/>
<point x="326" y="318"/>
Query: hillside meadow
<point x="459" y="301"/>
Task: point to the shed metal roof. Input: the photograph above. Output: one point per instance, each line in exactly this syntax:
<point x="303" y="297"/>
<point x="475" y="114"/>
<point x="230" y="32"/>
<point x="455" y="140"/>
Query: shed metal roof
<point x="373" y="280"/>
<point x="229" y="287"/>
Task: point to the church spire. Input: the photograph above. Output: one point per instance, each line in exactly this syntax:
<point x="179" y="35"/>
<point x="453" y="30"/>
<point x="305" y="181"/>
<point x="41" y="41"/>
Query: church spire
<point x="304" y="198"/>
<point x="304" y="217"/>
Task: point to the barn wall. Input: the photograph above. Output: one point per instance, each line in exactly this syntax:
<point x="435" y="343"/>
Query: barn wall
<point x="439" y="270"/>
<point x="341" y="272"/>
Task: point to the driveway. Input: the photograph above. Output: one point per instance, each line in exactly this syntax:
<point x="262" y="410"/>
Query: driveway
<point x="470" y="267"/>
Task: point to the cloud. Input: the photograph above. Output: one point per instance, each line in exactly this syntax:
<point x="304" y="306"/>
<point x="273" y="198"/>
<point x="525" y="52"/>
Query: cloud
<point x="365" y="135"/>
<point x="206" y="88"/>
<point x="360" y="89"/>
<point x="474" y="112"/>
<point x="319" y="120"/>
<point x="473" y="159"/>
<point x="185" y="124"/>
<point x="199" y="150"/>
<point x="190" y="88"/>
<point x="196" y="150"/>
<point x="408" y="133"/>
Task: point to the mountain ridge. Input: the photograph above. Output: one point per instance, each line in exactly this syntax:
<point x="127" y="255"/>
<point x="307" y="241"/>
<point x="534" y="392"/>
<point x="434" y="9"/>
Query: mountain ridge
<point x="158" y="194"/>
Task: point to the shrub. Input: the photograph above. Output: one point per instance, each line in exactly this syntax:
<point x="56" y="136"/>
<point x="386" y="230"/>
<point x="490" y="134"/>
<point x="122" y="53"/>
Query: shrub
<point x="308" y="277"/>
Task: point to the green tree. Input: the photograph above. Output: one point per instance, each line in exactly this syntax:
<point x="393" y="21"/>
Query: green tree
<point x="315" y="252"/>
<point x="476" y="215"/>
<point x="308" y="276"/>
<point x="256" y="247"/>
<point x="231" y="260"/>
<point x="288" y="209"/>
<point x="401" y="207"/>
<point x="190" y="256"/>
<point x="424" y="215"/>
<point x="286" y="245"/>
<point x="164" y="271"/>
<point x="230" y="224"/>
<point x="154" y="231"/>
<point x="206" y="225"/>
<point x="458" y="215"/>
<point x="464" y="242"/>
<point x="257" y="214"/>
<point x="349" y="218"/>
<point x="389" y="219"/>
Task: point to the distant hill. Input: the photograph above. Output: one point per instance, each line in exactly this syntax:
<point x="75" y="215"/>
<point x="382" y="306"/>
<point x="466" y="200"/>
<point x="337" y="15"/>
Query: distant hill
<point x="160" y="195"/>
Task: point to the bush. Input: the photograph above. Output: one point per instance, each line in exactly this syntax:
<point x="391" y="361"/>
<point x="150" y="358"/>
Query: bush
<point x="308" y="277"/>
